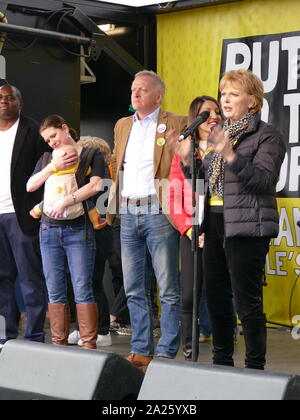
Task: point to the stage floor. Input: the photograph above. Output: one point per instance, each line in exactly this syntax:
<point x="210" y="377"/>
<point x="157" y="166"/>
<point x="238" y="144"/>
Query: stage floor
<point x="283" y="351"/>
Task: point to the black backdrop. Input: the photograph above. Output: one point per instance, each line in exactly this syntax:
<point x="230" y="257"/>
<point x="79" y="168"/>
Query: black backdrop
<point x="49" y="77"/>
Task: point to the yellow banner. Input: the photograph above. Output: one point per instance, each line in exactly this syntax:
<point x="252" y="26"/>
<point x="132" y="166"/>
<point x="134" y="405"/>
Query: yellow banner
<point x="282" y="292"/>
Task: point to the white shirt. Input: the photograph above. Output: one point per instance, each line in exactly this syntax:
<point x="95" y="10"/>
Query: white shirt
<point x="7" y="140"/>
<point x="138" y="178"/>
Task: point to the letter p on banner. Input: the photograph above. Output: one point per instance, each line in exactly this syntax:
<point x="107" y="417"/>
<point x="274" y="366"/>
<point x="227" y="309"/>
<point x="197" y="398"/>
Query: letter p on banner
<point x="2" y="327"/>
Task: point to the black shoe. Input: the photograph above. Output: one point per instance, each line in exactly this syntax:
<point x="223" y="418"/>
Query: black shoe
<point x="114" y="327"/>
<point x="187" y="356"/>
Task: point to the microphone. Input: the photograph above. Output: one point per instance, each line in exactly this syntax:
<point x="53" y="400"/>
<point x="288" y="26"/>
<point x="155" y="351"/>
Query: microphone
<point x="198" y="121"/>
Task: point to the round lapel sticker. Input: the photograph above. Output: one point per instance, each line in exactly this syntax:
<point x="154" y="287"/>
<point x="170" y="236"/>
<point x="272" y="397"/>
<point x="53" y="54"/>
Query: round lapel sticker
<point x="161" y="128"/>
<point x="160" y="141"/>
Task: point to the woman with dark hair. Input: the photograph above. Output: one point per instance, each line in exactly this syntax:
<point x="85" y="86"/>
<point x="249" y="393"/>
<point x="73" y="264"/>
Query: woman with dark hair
<point x="241" y="171"/>
<point x="66" y="238"/>
<point x="182" y="214"/>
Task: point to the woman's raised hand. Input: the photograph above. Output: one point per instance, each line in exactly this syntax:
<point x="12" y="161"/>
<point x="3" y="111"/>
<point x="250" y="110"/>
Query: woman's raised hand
<point x="220" y="142"/>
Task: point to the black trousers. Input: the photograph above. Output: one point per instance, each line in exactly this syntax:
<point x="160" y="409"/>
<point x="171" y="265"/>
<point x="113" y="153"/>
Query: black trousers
<point x="104" y="246"/>
<point x="233" y="267"/>
<point x="187" y="278"/>
<point x="119" y="307"/>
<point x="114" y="260"/>
<point x="20" y="254"/>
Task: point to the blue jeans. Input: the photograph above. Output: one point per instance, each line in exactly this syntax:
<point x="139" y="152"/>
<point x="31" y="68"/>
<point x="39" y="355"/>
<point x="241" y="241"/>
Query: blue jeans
<point x="73" y="245"/>
<point x="141" y="231"/>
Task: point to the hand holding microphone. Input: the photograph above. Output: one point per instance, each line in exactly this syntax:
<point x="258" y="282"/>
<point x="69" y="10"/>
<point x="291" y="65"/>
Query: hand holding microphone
<point x="183" y="149"/>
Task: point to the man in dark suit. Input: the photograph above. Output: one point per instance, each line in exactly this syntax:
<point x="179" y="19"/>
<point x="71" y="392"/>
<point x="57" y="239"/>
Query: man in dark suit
<point x="21" y="147"/>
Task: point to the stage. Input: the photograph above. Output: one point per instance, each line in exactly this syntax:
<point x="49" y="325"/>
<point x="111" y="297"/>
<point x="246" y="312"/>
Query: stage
<point x="43" y="371"/>
<point x="282" y="357"/>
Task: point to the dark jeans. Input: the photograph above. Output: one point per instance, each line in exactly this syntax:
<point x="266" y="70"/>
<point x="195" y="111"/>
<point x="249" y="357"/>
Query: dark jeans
<point x="114" y="260"/>
<point x="104" y="246"/>
<point x="187" y="278"/>
<point x="119" y="307"/>
<point x="234" y="267"/>
<point x="20" y="253"/>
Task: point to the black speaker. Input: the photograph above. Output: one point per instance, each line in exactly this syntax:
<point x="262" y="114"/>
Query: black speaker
<point x="178" y="380"/>
<point x="36" y="371"/>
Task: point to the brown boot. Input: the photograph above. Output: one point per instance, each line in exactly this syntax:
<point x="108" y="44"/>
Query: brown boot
<point x="59" y="315"/>
<point x="140" y="361"/>
<point x="87" y="317"/>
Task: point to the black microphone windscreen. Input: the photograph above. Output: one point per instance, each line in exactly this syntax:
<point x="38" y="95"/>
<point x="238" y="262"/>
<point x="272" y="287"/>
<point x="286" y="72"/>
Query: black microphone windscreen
<point x="192" y="127"/>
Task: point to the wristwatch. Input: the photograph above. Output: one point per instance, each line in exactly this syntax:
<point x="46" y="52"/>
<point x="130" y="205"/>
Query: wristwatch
<point x="74" y="197"/>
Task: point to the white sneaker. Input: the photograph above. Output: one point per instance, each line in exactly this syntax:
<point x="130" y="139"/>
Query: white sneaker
<point x="102" y="340"/>
<point x="74" y="337"/>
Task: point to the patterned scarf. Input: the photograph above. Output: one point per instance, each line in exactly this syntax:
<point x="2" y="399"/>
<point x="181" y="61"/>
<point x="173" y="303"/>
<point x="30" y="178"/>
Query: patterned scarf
<point x="216" y="170"/>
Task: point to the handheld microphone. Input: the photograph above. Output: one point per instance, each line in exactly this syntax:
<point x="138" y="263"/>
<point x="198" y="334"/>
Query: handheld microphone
<point x="198" y="121"/>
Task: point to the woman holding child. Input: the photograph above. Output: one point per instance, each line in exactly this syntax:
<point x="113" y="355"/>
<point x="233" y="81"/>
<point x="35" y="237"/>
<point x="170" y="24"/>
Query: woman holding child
<point x="67" y="240"/>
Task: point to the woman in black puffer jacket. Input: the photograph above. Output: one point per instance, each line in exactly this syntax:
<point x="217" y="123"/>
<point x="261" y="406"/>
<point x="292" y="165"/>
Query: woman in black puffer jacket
<point x="241" y="170"/>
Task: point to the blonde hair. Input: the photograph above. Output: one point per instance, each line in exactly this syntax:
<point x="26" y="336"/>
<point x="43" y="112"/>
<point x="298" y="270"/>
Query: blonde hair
<point x="250" y="82"/>
<point x="64" y="149"/>
<point x="97" y="143"/>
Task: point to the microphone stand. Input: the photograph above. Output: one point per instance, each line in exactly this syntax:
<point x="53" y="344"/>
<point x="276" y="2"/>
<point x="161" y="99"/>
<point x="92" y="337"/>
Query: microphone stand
<point x="195" y="251"/>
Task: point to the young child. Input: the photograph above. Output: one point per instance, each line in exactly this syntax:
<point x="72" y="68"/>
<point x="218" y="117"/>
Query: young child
<point x="59" y="185"/>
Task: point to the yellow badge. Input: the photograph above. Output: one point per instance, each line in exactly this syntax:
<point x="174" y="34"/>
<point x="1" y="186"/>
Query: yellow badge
<point x="60" y="190"/>
<point x="208" y="150"/>
<point x="161" y="141"/>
